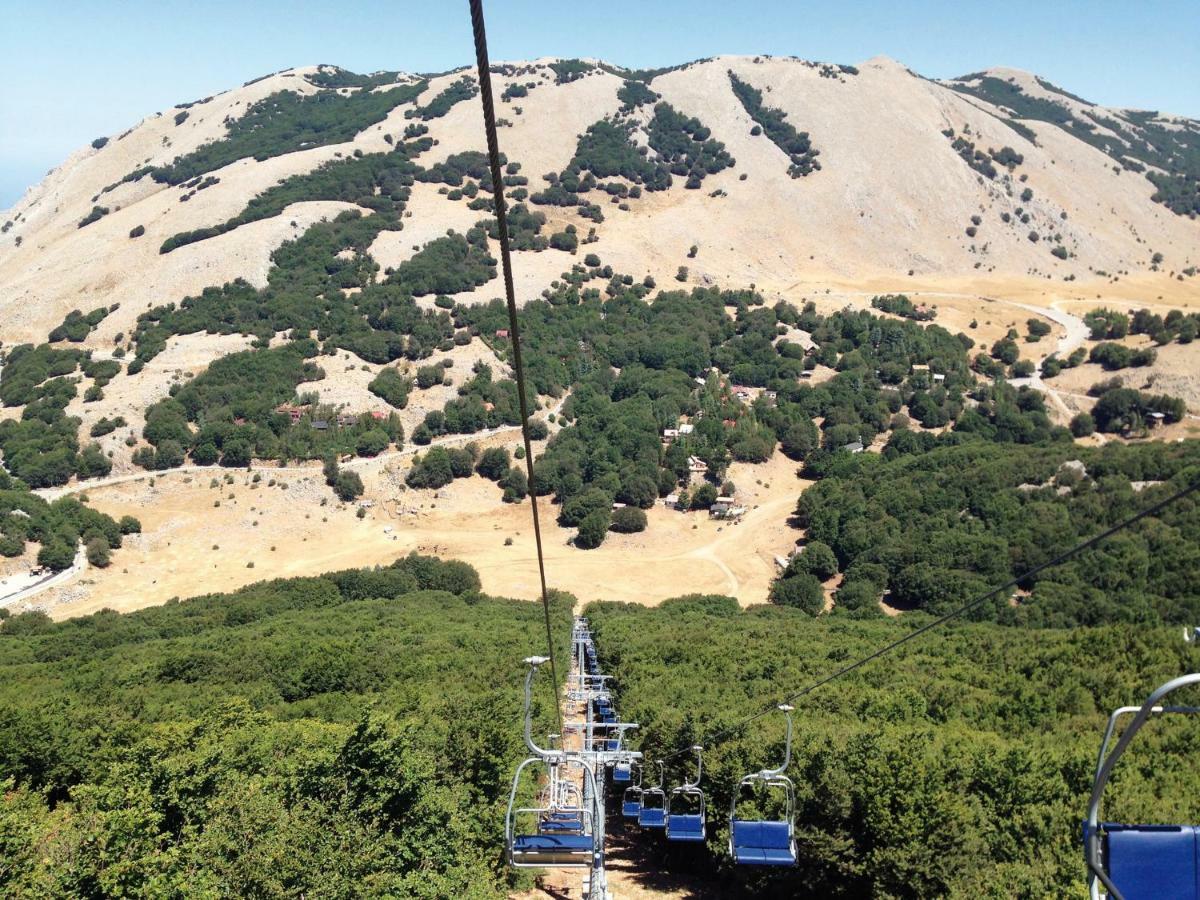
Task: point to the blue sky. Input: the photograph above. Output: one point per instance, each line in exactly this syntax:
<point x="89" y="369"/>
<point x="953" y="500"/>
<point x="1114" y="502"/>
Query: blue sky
<point x="77" y="69"/>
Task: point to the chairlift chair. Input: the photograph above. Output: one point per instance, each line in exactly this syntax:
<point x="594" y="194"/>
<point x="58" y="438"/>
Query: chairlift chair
<point x="631" y="800"/>
<point x="688" y="827"/>
<point x="654" y="815"/>
<point x="1139" y="862"/>
<point x="766" y="842"/>
<point x="563" y="836"/>
<point x="566" y="832"/>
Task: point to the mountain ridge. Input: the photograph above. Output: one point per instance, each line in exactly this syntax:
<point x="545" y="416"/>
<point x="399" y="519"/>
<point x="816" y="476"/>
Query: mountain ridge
<point x="906" y="168"/>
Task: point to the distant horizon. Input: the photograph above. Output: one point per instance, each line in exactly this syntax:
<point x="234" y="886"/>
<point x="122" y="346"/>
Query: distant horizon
<point x="83" y="69"/>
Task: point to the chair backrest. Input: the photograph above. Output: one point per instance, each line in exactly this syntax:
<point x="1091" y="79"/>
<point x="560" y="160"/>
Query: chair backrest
<point x="762" y="834"/>
<point x="1150" y="861"/>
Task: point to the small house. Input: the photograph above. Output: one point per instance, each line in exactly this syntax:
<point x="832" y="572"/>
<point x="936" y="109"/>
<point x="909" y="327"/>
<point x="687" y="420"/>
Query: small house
<point x="294" y="413"/>
<point x="938" y="377"/>
<point x="320" y="424"/>
<point x="686" y="428"/>
<point x="501" y="332"/>
<point x="1155" y="419"/>
<point x="671" y="501"/>
<point x="853" y="447"/>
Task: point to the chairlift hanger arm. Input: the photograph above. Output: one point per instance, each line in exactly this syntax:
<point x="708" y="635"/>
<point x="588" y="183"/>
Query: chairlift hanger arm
<point x="1104" y="772"/>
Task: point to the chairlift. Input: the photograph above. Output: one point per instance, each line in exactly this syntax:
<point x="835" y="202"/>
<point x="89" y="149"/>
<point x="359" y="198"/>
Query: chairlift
<point x="561" y="830"/>
<point x="687" y="826"/>
<point x="1139" y="862"/>
<point x="631" y="800"/>
<point x="653" y="813"/>
<point x="766" y="842"/>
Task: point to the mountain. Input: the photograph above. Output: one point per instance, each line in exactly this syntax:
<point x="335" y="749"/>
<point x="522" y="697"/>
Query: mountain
<point x="905" y="163"/>
<point x="303" y="269"/>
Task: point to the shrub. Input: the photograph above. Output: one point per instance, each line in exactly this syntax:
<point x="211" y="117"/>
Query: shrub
<point x="137" y="231"/>
<point x="391" y="387"/>
<point x="800" y="591"/>
<point x="98" y="553"/>
<point x="564" y="240"/>
<point x="817" y="559"/>
<point x="592" y="529"/>
<point x="372" y="442"/>
<point x="493" y="464"/>
<point x="1083" y="425"/>
<point x="97" y="213"/>
<point x="515" y="484"/>
<point x="628" y="519"/>
<point x="348" y="486"/>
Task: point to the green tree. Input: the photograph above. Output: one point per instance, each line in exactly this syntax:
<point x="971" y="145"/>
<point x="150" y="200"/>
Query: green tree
<point x="348" y="486"/>
<point x="98" y="553"/>
<point x="800" y="591"/>
<point x="372" y="442"/>
<point x="817" y="559"/>
<point x="493" y="463"/>
<point x="592" y="529"/>
<point x="628" y="519"/>
<point x="56" y="555"/>
<point x="1082" y="425"/>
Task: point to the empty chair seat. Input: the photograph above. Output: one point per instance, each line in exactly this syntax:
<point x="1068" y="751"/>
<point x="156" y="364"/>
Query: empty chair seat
<point x="687" y="827"/>
<point x="562" y="823"/>
<point x="552" y="849"/>
<point x="1153" y="861"/>
<point x="622" y="774"/>
<point x="630" y="809"/>
<point x="763" y="843"/>
<point x="650" y="817"/>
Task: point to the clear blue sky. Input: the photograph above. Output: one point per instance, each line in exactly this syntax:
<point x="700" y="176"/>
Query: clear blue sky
<point x="77" y="69"/>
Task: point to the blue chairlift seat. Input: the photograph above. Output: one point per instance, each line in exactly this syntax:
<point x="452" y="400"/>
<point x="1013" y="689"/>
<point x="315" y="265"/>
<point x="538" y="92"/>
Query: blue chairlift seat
<point x="688" y="827"/>
<point x="622" y="773"/>
<point x="652" y="817"/>
<point x="759" y="843"/>
<point x="1147" y="862"/>
<point x="630" y="808"/>
<point x="565" y="822"/>
<point x="552" y="849"/>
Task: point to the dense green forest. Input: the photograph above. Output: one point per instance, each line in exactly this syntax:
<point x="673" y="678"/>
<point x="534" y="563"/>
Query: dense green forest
<point x="42" y="447"/>
<point x="796" y="144"/>
<point x="348" y="735"/>
<point x="285" y="122"/>
<point x="611" y="448"/>
<point x="57" y="528"/>
<point x="957" y="767"/>
<point x="937" y="525"/>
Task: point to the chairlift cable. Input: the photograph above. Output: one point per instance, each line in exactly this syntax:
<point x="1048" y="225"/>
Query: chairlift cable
<point x="709" y="740"/>
<point x="514" y="329"/>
